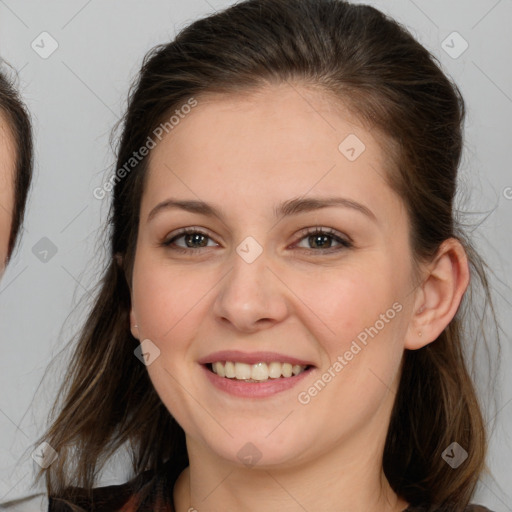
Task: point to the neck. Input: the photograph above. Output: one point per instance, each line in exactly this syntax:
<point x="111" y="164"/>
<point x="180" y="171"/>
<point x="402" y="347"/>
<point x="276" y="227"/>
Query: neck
<point x="349" y="479"/>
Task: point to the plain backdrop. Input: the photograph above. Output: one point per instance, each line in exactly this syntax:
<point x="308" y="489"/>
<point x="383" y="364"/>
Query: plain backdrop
<point x="76" y="60"/>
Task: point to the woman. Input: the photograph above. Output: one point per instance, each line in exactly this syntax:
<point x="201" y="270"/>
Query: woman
<point x="280" y="326"/>
<point x="15" y="166"/>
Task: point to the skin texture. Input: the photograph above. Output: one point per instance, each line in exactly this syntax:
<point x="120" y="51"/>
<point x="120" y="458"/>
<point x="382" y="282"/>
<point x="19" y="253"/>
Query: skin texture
<point x="246" y="154"/>
<point x="7" y="168"/>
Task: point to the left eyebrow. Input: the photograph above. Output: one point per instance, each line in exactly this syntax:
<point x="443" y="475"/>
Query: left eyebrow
<point x="287" y="208"/>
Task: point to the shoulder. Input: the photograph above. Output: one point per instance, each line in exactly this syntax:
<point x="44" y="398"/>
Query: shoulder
<point x="120" y="497"/>
<point x="148" y="491"/>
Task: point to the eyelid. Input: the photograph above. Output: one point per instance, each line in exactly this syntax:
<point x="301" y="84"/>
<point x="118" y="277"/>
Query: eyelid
<point x="169" y="239"/>
<point x="326" y="231"/>
<point x="344" y="241"/>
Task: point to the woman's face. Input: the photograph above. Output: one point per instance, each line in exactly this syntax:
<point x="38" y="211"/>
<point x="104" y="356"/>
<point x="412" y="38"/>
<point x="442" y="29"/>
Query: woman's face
<point x="7" y="168"/>
<point x="251" y="286"/>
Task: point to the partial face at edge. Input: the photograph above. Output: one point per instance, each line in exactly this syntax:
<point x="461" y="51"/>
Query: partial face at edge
<point x="305" y="297"/>
<point x="7" y="170"/>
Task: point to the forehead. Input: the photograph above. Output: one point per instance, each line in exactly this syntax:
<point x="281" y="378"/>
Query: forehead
<point x="284" y="121"/>
<point x="280" y="140"/>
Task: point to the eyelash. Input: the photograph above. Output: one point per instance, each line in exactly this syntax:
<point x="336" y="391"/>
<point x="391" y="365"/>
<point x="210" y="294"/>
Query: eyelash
<point x="344" y="243"/>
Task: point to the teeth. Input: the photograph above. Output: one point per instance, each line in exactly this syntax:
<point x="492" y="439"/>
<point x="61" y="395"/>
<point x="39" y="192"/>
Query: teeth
<point x="274" y="370"/>
<point x="296" y="369"/>
<point x="218" y="368"/>
<point x="287" y="370"/>
<point x="258" y="372"/>
<point x="229" y="369"/>
<point x="242" y="371"/>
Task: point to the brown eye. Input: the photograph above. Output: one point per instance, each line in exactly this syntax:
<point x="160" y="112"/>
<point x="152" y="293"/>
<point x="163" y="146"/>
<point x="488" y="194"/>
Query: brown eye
<point x="321" y="240"/>
<point x="194" y="239"/>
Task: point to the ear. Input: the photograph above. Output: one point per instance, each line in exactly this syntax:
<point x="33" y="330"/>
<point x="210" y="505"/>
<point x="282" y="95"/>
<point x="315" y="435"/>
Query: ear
<point x="439" y="296"/>
<point x="133" y="322"/>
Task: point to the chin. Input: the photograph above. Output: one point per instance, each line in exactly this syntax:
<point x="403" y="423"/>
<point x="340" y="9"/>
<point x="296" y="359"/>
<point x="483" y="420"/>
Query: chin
<point x="253" y="449"/>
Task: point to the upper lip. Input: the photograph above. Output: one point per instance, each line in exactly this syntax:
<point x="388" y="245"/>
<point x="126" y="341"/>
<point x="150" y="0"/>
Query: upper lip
<point x="252" y="358"/>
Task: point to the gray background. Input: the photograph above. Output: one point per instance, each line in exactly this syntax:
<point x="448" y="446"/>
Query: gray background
<point x="77" y="94"/>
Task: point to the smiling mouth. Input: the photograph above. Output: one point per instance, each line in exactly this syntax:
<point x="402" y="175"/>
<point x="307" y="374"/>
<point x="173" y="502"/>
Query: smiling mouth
<point x="259" y="372"/>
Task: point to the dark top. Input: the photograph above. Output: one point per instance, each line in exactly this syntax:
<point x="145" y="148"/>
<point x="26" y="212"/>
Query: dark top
<point x="149" y="492"/>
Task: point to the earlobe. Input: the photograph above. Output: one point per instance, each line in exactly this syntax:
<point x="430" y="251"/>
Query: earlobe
<point x="134" y="328"/>
<point x="440" y="295"/>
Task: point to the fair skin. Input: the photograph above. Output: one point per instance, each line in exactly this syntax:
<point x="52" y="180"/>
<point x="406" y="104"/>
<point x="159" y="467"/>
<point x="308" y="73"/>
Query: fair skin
<point x="246" y="155"/>
<point x="7" y="168"/>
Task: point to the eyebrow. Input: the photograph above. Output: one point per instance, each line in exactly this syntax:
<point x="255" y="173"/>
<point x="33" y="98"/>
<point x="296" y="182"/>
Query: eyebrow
<point x="287" y="208"/>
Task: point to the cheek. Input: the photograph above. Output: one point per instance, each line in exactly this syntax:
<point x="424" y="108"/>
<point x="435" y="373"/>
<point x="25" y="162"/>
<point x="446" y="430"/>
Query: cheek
<point x="364" y="344"/>
<point x="168" y="308"/>
<point x="166" y="300"/>
<point x="352" y="300"/>
<point x="336" y="305"/>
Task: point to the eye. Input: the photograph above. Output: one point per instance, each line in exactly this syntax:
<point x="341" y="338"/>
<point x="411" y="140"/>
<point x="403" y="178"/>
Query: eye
<point x="194" y="239"/>
<point x="320" y="240"/>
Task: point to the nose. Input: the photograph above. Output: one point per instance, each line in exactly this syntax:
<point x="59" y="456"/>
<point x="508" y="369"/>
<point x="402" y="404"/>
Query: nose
<point x="251" y="297"/>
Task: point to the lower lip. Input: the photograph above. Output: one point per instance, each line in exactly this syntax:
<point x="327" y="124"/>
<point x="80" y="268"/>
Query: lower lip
<point x="254" y="389"/>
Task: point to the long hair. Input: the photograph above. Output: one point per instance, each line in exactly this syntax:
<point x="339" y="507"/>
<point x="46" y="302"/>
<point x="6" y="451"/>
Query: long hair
<point x="374" y="67"/>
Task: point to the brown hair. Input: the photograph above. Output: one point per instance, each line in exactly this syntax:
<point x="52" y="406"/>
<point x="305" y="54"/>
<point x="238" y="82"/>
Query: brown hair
<point x="373" y="65"/>
<point x="18" y="120"/>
